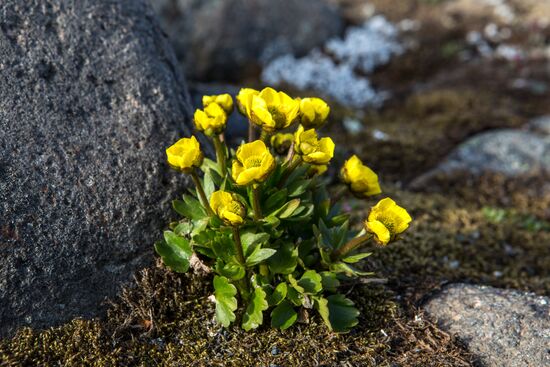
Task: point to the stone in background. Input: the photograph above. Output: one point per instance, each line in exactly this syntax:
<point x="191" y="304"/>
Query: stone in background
<point x="90" y="96"/>
<point x="505" y="328"/>
<point x="228" y="40"/>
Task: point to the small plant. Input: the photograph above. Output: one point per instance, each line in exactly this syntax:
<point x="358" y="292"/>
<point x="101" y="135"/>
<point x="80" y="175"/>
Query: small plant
<point x="260" y="218"/>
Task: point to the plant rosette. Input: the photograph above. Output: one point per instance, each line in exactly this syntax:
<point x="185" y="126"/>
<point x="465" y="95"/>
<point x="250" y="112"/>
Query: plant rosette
<point x="261" y="219"/>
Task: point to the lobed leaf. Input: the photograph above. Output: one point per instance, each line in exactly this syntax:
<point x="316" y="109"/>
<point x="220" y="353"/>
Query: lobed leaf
<point x="253" y="316"/>
<point x="226" y="303"/>
<point x="175" y="251"/>
<point x="283" y="316"/>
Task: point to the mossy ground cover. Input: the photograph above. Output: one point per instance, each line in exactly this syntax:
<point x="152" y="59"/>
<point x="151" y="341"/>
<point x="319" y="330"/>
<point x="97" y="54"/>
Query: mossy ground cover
<point x="473" y="233"/>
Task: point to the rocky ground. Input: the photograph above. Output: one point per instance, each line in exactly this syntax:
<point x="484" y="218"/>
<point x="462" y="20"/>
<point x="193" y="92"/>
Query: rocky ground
<point x="463" y="142"/>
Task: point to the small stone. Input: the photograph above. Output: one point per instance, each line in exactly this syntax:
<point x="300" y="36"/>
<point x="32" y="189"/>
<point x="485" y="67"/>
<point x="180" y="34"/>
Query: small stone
<point x="504" y="328"/>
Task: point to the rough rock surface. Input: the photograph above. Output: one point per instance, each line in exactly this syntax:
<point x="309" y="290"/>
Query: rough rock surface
<point x="89" y="98"/>
<point x="505" y="328"/>
<point x="510" y="152"/>
<point x="229" y="39"/>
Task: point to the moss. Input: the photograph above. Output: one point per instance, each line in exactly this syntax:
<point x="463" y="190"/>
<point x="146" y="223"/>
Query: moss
<point x="157" y="323"/>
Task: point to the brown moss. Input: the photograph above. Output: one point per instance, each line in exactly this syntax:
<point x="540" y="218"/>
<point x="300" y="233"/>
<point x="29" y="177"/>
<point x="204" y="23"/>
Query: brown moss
<point x="157" y="322"/>
<point x="425" y="129"/>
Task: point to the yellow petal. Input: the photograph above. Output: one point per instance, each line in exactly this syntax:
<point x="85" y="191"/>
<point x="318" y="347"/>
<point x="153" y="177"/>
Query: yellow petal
<point x="381" y="233"/>
<point x="270" y="96"/>
<point x="245" y="151"/>
<point x="248" y="175"/>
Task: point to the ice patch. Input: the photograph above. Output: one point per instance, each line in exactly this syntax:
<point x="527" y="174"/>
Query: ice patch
<point x="336" y="76"/>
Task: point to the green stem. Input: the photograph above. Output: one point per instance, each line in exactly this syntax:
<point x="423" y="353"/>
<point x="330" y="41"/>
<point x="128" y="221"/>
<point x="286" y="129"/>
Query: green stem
<point x="220" y="154"/>
<point x="297" y="160"/>
<point x="264" y="136"/>
<point x="351" y="245"/>
<point x="242" y="284"/>
<point x="251" y="132"/>
<point x="238" y="246"/>
<point x="256" y="203"/>
<point x="201" y="192"/>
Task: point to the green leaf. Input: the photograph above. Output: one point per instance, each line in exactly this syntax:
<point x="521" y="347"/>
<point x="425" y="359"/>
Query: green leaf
<point x="183" y="229"/>
<point x="250" y="241"/>
<point x="275" y="200"/>
<point x="253" y="316"/>
<point x="311" y="282"/>
<point x="175" y="251"/>
<point x="258" y="255"/>
<point x="287" y="209"/>
<point x="230" y="270"/>
<point x="356" y="258"/>
<point x="278" y="294"/>
<point x="347" y="269"/>
<point x="226" y="303"/>
<point x="283" y="316"/>
<point x="338" y="312"/>
<point x="208" y="184"/>
<point x="208" y="164"/>
<point x="284" y="261"/>
<point x="298" y="187"/>
<point x="294" y="296"/>
<point x="330" y="281"/>
<point x="190" y="208"/>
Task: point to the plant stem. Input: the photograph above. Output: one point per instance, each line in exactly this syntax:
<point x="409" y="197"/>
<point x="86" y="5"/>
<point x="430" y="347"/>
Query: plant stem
<point x="350" y="246"/>
<point x="200" y="190"/>
<point x="220" y="154"/>
<point x="256" y="203"/>
<point x="297" y="160"/>
<point x="264" y="136"/>
<point x="242" y="284"/>
<point x="251" y="132"/>
<point x="342" y="190"/>
<point x="238" y="246"/>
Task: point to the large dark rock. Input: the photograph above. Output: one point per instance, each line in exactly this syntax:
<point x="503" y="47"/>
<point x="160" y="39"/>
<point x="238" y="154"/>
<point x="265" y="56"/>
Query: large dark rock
<point x="89" y="98"/>
<point x="505" y="328"/>
<point x="229" y="39"/>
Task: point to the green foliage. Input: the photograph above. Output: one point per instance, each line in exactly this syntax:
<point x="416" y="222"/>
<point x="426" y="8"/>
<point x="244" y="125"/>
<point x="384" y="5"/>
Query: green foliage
<point x="226" y="303"/>
<point x="266" y="226"/>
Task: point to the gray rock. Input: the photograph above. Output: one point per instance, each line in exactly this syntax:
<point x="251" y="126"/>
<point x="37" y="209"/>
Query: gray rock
<point x="508" y="151"/>
<point x="229" y="39"/>
<point x="89" y="98"/>
<point x="505" y="328"/>
<point x="540" y="125"/>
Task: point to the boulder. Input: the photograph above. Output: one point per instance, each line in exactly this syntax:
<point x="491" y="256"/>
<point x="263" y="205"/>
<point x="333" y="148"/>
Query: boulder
<point x="228" y="40"/>
<point x="510" y="152"/>
<point x="504" y="328"/>
<point x="90" y="96"/>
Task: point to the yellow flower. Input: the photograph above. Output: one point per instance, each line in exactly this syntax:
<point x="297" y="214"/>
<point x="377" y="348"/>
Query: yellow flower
<point x="272" y="110"/>
<point x="312" y="149"/>
<point x="224" y="100"/>
<point x="317" y="169"/>
<point x="185" y="154"/>
<point x="253" y="164"/>
<point x="244" y="100"/>
<point x="227" y="207"/>
<point x="387" y="220"/>
<point x="212" y="120"/>
<point x="360" y="178"/>
<point x="282" y="142"/>
<point x="314" y="112"/>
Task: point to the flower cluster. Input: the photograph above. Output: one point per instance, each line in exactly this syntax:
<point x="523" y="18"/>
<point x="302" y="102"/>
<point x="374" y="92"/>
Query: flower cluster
<point x="261" y="219"/>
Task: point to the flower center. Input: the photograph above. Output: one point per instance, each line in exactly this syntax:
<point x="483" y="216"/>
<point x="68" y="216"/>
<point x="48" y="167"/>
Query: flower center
<point x="251" y="162"/>
<point x="278" y="116"/>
